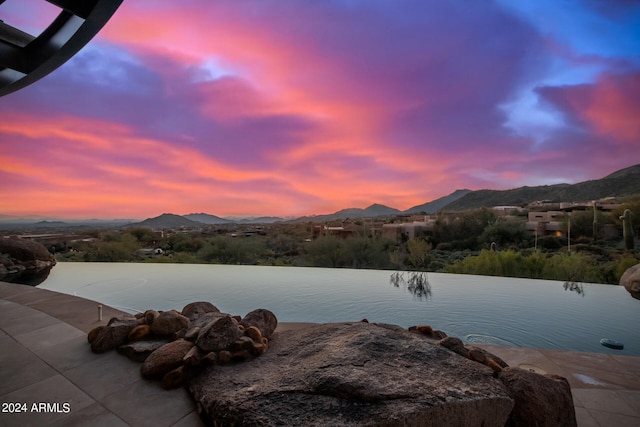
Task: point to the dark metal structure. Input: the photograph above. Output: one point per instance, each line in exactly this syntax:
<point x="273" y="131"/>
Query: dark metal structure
<point x="25" y="58"/>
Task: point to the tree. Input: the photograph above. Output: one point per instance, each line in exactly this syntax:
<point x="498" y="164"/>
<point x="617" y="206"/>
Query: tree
<point x="462" y="230"/>
<point x="505" y="233"/>
<point x="116" y="248"/>
<point x="418" y="252"/>
<point x="231" y="250"/>
<point x="582" y="223"/>
<point x="142" y="234"/>
<point x="365" y="252"/>
<point x="183" y="242"/>
<point x="327" y="251"/>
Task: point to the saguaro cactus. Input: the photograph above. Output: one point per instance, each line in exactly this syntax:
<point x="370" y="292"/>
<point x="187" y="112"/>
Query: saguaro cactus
<point x="627" y="231"/>
<point x="595" y="221"/>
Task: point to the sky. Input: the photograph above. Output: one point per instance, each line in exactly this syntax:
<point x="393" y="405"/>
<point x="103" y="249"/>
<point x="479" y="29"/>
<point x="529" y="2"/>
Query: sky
<point x="299" y="107"/>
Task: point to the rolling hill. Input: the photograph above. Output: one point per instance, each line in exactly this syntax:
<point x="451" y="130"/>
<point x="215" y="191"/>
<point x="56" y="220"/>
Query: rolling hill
<point x="436" y="205"/>
<point x="624" y="182"/>
<point x="166" y="220"/>
<point x="206" y="218"/>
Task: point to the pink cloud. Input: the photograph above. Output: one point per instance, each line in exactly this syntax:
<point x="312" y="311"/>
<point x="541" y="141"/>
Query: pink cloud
<point x="604" y="107"/>
<point x="292" y="108"/>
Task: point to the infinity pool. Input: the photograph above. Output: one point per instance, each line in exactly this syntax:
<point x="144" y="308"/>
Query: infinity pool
<point x="482" y="309"/>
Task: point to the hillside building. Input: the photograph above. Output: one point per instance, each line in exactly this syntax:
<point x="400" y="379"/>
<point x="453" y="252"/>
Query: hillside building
<point x="407" y="230"/>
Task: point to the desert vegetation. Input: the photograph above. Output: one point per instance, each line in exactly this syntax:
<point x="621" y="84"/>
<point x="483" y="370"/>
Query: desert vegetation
<point x="470" y="242"/>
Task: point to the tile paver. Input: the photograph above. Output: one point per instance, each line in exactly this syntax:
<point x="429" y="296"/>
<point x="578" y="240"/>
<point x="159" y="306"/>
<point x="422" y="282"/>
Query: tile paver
<point x="45" y="358"/>
<point x="632" y="398"/>
<point x="603" y="400"/>
<point x="584" y="418"/>
<point x="56" y="391"/>
<point x="609" y="419"/>
<point x="13" y="356"/>
<point x="94" y="415"/>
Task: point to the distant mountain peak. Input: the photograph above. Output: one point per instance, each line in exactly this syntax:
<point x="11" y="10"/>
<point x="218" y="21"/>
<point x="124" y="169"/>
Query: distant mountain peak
<point x="438" y="204"/>
<point x="167" y="220"/>
<point x="206" y="218"/>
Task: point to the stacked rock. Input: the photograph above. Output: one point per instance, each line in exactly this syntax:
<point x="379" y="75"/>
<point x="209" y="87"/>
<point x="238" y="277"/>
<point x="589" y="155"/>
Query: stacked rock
<point x="456" y="345"/>
<point x="173" y="345"/>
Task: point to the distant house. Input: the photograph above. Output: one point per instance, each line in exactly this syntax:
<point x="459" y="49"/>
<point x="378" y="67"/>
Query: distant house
<point x="338" y="231"/>
<point x="549" y="223"/>
<point x="505" y="210"/>
<point x="407" y="230"/>
<point x="325" y="230"/>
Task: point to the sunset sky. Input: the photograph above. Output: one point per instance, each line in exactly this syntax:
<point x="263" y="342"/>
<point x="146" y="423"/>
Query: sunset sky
<point x="297" y="107"/>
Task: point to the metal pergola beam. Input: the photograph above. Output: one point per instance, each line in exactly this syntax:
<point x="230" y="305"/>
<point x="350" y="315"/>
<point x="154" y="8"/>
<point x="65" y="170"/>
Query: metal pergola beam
<point x="14" y="36"/>
<point x="81" y="8"/>
<point x="25" y="59"/>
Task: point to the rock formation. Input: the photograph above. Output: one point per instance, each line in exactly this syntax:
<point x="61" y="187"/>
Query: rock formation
<point x="631" y="281"/>
<point x="115" y="334"/>
<point x="24" y="261"/>
<point x="167" y="342"/>
<point x="165" y="359"/>
<point x="168" y="323"/>
<point x="341" y="374"/>
<point x="540" y="400"/>
<point x="353" y="374"/>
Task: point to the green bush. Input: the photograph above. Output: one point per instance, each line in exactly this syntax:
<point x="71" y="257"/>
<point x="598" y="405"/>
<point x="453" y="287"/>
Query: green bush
<point x="326" y="251"/>
<point x="506" y="233"/>
<point x="575" y="267"/>
<point x="572" y="267"/>
<point x="231" y="250"/>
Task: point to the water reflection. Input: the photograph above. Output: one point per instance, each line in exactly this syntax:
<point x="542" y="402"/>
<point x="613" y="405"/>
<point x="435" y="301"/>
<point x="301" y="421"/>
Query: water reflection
<point x="417" y="283"/>
<point x="574" y="287"/>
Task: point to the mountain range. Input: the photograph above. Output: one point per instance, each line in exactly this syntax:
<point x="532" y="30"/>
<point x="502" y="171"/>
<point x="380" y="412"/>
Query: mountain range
<point x="625" y="182"/>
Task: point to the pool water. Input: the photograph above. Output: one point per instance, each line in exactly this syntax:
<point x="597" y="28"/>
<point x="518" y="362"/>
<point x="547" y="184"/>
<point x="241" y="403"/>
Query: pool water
<point x="477" y="309"/>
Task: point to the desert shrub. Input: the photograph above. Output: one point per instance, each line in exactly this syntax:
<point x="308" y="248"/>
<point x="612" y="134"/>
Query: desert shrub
<point x="119" y="248"/>
<point x="184" y="242"/>
<point x="572" y="267"/>
<point x="551" y="243"/>
<point x="418" y="251"/>
<point x="142" y="234"/>
<point x="506" y="233"/>
<point x="620" y="265"/>
<point x="366" y="252"/>
<point x="490" y="263"/>
<point x="562" y="266"/>
<point x="231" y="250"/>
<point x="326" y="251"/>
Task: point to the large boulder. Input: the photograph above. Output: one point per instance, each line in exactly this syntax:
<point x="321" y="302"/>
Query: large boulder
<point x="24" y="261"/>
<point x="631" y="281"/>
<point x="262" y="319"/>
<point x="27" y="252"/>
<point x="196" y="309"/>
<point x="352" y="374"/>
<point x="540" y="400"/>
<point x="219" y="333"/>
<point x="165" y="359"/>
<point x="139" y="351"/>
<point x="168" y="323"/>
<point x="105" y="338"/>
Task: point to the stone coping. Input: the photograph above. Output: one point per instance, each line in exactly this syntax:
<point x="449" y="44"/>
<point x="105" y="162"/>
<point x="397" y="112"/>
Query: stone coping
<point x="45" y="358"/>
